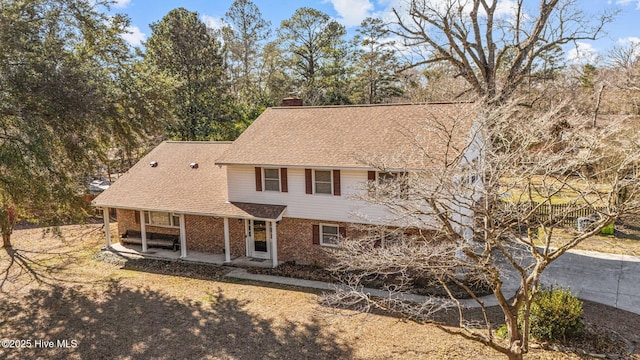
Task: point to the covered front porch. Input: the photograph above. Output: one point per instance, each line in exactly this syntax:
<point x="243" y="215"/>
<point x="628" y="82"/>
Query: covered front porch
<point x="135" y="251"/>
<point x="196" y="235"/>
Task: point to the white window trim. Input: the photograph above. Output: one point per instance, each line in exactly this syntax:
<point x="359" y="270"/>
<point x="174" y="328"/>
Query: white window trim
<point x="314" y="181"/>
<point x="322" y="235"/>
<point x="147" y="220"/>
<point x="264" y="179"/>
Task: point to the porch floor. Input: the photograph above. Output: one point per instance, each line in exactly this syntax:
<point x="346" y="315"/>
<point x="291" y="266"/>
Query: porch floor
<point x="135" y="251"/>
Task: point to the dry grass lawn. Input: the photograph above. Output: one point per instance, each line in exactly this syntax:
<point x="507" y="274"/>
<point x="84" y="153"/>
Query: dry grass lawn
<point x="626" y="239"/>
<point x="62" y="288"/>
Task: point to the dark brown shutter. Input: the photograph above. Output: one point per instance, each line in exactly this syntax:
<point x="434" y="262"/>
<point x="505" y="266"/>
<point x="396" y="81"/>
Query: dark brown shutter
<point x="316" y="234"/>
<point x="284" y="185"/>
<point x="342" y="231"/>
<point x="308" y="181"/>
<point x="371" y="176"/>
<point x="258" y="179"/>
<point x="336" y="182"/>
<point x="404" y="185"/>
<point x="137" y="216"/>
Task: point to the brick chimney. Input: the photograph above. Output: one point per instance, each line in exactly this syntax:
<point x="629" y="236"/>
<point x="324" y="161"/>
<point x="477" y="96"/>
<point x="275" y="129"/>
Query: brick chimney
<point x="292" y="100"/>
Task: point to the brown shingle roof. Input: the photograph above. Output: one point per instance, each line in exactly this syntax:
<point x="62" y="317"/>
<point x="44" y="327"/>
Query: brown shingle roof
<point x="349" y="136"/>
<point x="173" y="186"/>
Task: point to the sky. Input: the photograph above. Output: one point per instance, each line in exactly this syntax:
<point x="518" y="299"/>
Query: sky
<point x="350" y="13"/>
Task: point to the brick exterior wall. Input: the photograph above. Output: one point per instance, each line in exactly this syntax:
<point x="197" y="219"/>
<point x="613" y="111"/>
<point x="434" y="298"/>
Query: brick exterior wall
<point x="237" y="239"/>
<point x="295" y="241"/>
<point x="204" y="233"/>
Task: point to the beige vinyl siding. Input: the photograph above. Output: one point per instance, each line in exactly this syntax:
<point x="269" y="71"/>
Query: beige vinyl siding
<point x="326" y="207"/>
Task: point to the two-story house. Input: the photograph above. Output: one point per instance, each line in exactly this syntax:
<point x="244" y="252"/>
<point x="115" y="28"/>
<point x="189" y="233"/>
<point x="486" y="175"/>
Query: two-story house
<point x="288" y="186"/>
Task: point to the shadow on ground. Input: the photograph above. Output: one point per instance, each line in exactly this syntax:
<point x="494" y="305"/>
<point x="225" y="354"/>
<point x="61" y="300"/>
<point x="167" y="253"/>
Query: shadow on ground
<point x="139" y="323"/>
<point x="20" y="267"/>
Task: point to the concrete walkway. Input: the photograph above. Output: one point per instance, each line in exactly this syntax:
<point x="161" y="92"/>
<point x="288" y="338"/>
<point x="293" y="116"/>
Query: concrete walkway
<point x="239" y="273"/>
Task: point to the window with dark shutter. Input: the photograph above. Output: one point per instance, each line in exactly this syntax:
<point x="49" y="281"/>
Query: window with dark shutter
<point x="396" y="183"/>
<point x="323" y="182"/>
<point x="316" y="234"/>
<point x="284" y="184"/>
<point x="329" y="235"/>
<point x="371" y="176"/>
<point x="271" y="179"/>
<point x="258" y="179"/>
<point x="336" y="182"/>
<point x="137" y="216"/>
<point x="308" y="181"/>
<point x="343" y="232"/>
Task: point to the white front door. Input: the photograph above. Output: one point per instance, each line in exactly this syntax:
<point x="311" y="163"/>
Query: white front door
<point x="258" y="239"/>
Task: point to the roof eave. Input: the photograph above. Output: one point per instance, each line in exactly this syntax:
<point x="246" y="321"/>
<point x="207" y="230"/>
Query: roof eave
<point x="186" y="212"/>
<point x="331" y="167"/>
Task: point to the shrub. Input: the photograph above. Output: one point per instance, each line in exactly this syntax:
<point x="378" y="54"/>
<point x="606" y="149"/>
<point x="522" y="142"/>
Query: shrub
<point x="610" y="229"/>
<point x="502" y="332"/>
<point x="555" y="315"/>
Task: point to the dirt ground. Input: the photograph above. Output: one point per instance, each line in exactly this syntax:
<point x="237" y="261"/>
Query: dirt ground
<point x="61" y="298"/>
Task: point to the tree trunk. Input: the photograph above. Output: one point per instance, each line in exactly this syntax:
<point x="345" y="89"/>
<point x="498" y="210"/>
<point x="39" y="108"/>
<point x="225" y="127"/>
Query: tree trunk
<point x="514" y="356"/>
<point x="595" y="112"/>
<point x="515" y="338"/>
<point x="7" y="221"/>
<point x="6" y="240"/>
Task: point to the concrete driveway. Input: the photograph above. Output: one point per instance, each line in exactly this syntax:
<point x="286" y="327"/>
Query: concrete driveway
<point x="609" y="279"/>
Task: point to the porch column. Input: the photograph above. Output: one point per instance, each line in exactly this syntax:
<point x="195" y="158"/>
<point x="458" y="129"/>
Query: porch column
<point x="107" y="229"/>
<point x="274" y="244"/>
<point x="143" y="231"/>
<point x="227" y="250"/>
<point x="183" y="238"/>
<point x="247" y="246"/>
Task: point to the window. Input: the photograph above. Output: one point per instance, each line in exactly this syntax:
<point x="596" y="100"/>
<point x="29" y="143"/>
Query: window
<point x="157" y="218"/>
<point x="395" y="183"/>
<point x="386" y="177"/>
<point x="329" y="235"/>
<point x="271" y="179"/>
<point x="323" y="182"/>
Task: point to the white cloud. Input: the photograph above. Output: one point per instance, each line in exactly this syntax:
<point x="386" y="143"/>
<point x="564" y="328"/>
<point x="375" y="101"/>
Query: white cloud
<point x="583" y="53"/>
<point x="629" y="40"/>
<point x="627" y="2"/>
<point x="213" y="22"/>
<point x="121" y="3"/>
<point x="133" y="36"/>
<point x="631" y="43"/>
<point x="352" y="12"/>
<point x="506" y="8"/>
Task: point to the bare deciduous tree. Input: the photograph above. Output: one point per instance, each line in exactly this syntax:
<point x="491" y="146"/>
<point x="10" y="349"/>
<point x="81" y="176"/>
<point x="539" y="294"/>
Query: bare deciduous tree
<point x="492" y="47"/>
<point x="623" y="74"/>
<point x="491" y="218"/>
